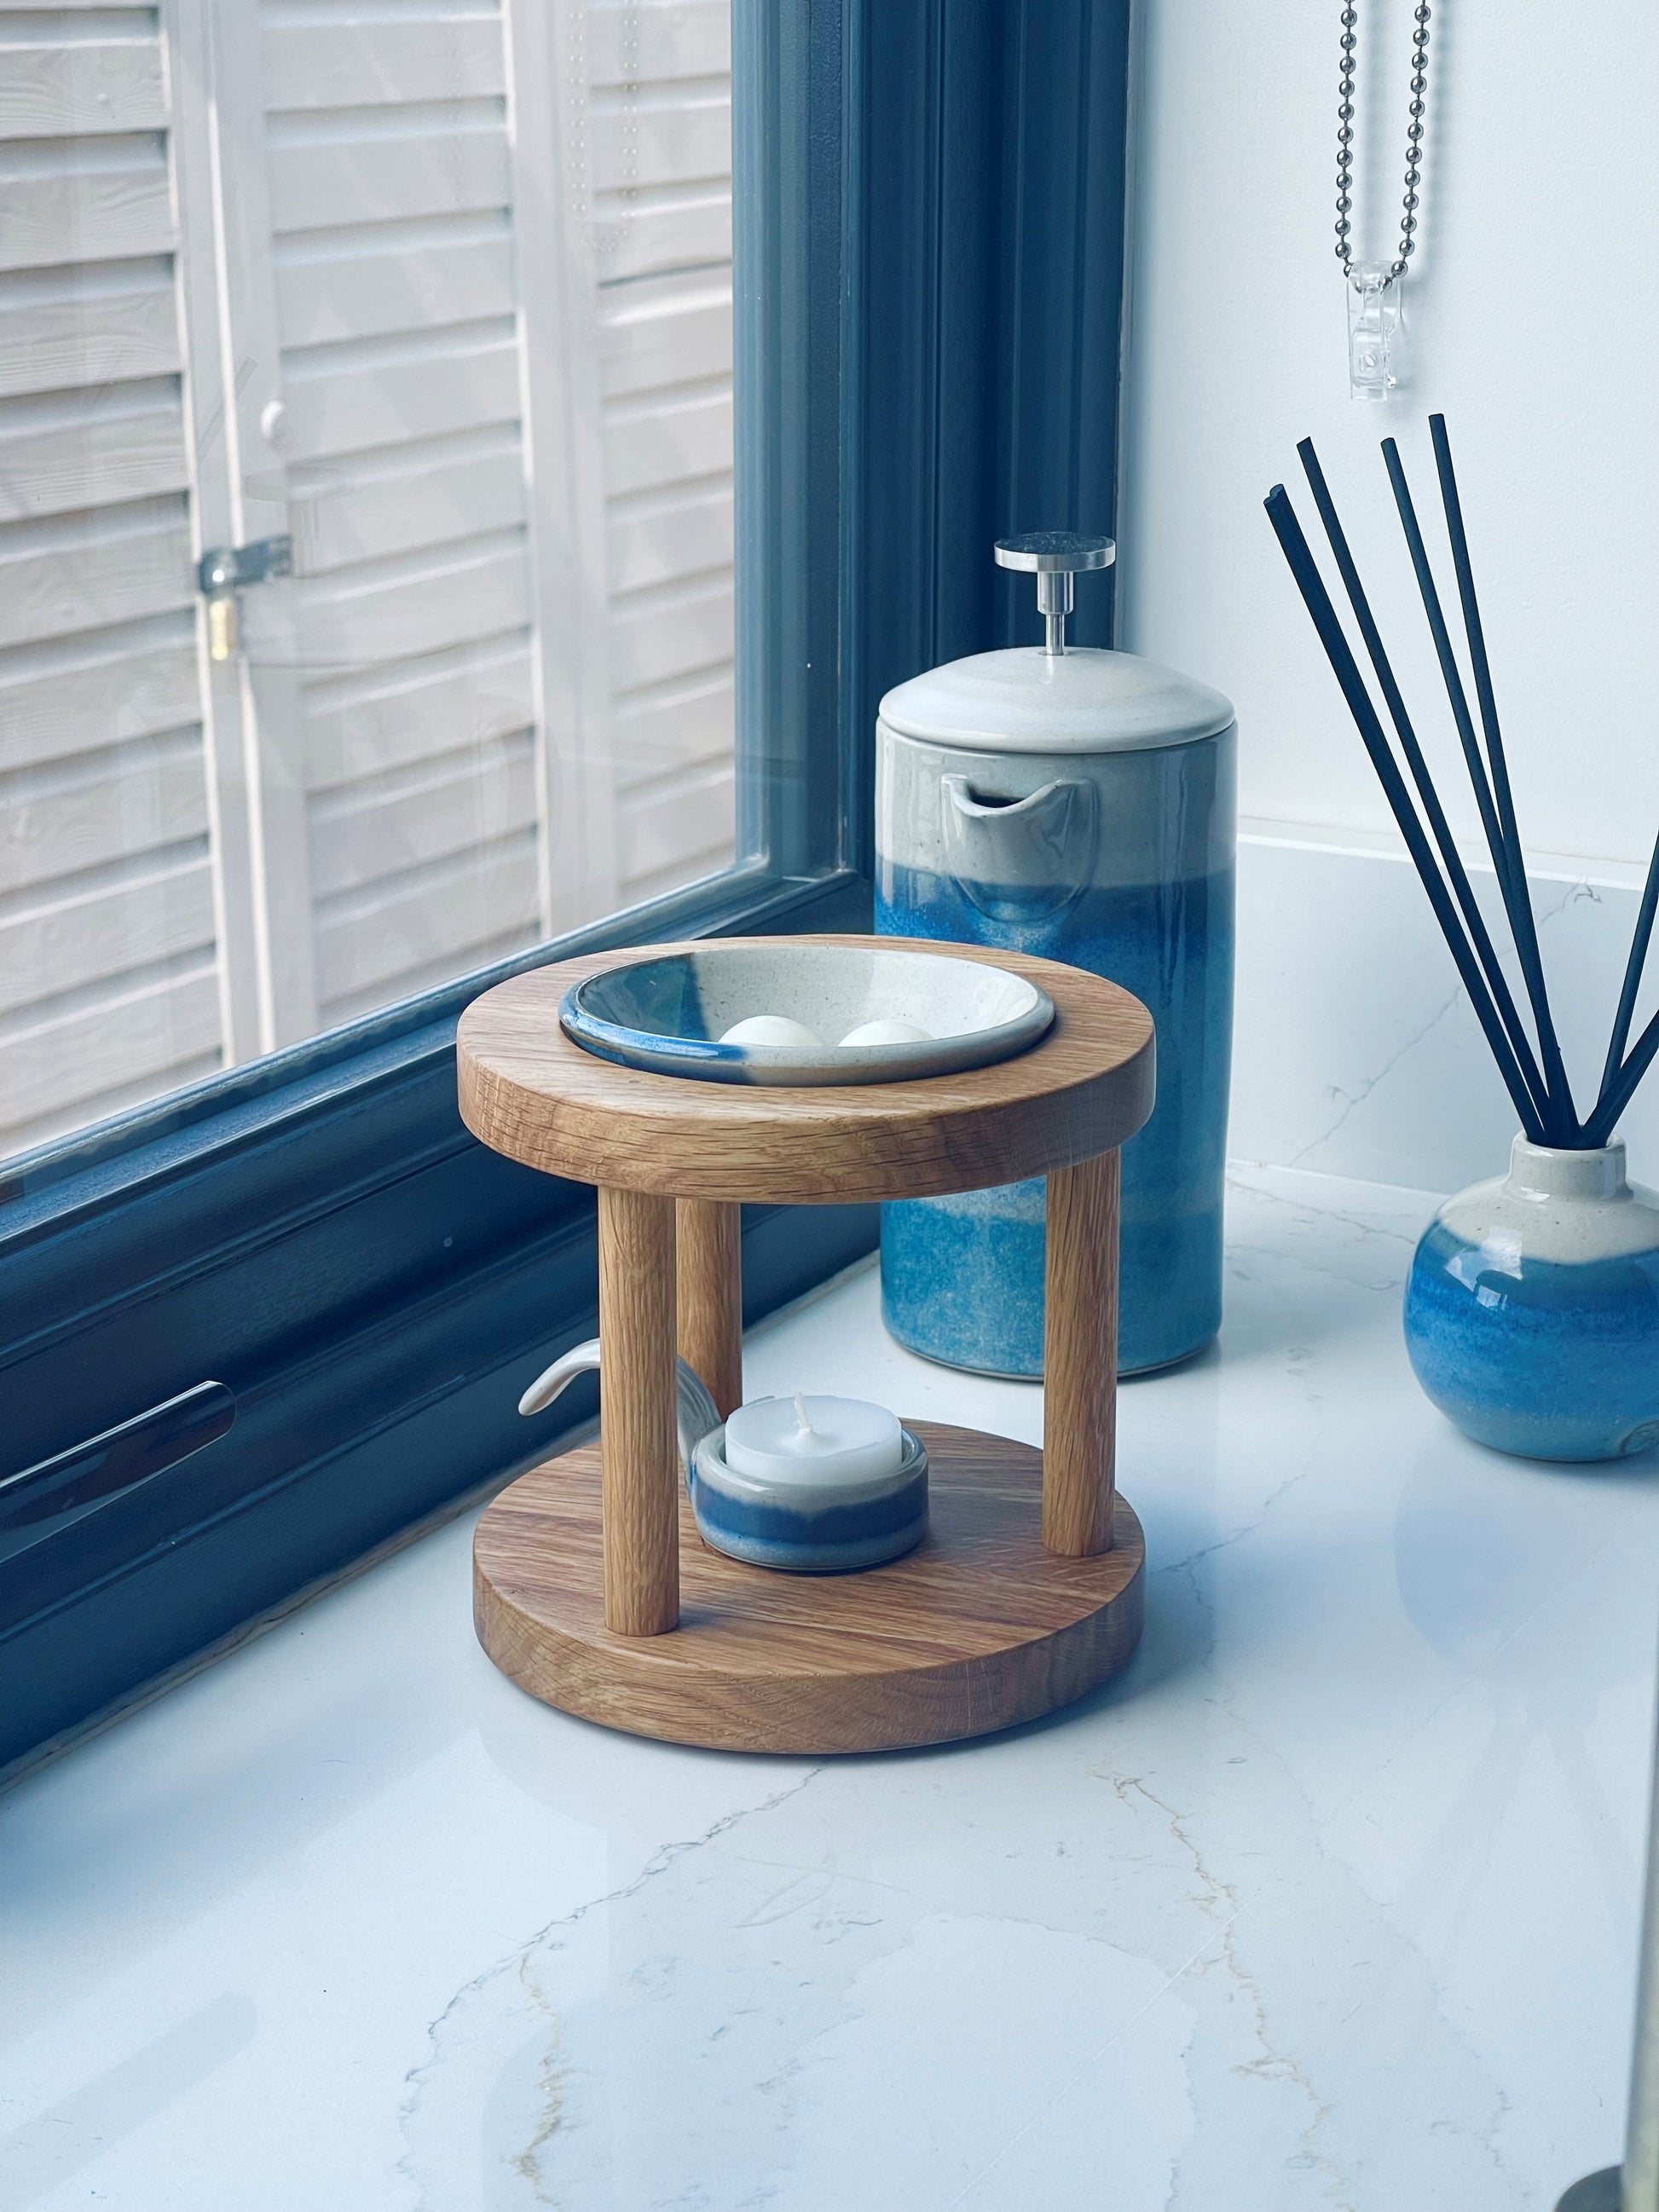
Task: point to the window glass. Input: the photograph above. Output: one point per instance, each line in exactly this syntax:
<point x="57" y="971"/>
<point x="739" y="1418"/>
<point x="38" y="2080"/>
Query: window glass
<point x="427" y="303"/>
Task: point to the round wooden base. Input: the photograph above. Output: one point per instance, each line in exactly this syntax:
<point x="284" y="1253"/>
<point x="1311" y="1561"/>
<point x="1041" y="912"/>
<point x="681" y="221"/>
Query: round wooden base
<point x="977" y="1628"/>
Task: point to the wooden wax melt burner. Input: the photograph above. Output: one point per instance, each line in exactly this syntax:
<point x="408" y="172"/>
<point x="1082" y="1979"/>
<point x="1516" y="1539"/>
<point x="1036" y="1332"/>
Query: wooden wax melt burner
<point x="591" y="1586"/>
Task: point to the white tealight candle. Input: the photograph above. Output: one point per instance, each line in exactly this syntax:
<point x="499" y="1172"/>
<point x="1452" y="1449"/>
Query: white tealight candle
<point x="773" y="1029"/>
<point x="813" y="1440"/>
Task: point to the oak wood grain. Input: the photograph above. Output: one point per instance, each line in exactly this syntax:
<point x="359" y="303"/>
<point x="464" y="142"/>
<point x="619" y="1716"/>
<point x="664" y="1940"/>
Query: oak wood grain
<point x="527" y="1091"/>
<point x="638" y="1446"/>
<point x="980" y="1627"/>
<point x="709" y="1299"/>
<point x="1079" y="1356"/>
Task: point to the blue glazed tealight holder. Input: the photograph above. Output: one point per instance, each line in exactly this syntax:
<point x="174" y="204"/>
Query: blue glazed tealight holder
<point x="801" y="1517"/>
<point x="1532" y="1310"/>
<point x="804" y="1527"/>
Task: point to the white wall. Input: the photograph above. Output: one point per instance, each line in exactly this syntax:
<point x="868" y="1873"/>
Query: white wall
<point x="1535" y="306"/>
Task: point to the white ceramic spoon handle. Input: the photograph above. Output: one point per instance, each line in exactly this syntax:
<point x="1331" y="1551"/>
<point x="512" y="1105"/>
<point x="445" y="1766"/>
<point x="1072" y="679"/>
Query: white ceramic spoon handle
<point x="697" y="1413"/>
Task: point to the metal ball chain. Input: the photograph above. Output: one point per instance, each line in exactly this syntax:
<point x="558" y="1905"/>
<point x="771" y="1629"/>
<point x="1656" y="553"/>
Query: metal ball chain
<point x="1345" y="113"/>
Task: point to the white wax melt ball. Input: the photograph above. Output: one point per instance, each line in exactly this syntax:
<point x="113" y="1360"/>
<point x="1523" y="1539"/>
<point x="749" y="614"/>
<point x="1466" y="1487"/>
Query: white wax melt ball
<point x="773" y="1029"/>
<point x="893" y="1031"/>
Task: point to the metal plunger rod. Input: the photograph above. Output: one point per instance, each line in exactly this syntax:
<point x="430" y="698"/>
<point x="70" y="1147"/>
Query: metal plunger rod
<point x="1054" y="557"/>
<point x="1055" y="599"/>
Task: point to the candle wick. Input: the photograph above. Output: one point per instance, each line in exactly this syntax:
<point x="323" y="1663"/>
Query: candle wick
<point x="802" y="1419"/>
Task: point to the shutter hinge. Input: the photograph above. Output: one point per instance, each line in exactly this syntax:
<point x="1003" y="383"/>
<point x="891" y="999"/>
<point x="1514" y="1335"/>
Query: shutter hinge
<point x="224" y="570"/>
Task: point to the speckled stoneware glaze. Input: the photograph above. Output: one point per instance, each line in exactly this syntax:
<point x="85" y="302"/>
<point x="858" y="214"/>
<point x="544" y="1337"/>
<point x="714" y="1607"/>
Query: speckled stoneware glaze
<point x="1532" y="1310"/>
<point x="1080" y="807"/>
<point x="668" y="1015"/>
<point x="807" y="1528"/>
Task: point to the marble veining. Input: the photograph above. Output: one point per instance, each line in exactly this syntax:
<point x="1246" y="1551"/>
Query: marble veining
<point x="1329" y="1901"/>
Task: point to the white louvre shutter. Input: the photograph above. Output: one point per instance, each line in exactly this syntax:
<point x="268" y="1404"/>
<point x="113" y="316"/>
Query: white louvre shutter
<point x="504" y="310"/>
<point x="454" y="292"/>
<point x="660" y="153"/>
<point x="109" y="982"/>
<point x="391" y="192"/>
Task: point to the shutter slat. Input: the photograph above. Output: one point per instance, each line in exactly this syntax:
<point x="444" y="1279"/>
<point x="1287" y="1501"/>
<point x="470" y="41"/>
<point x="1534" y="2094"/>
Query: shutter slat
<point x="487" y="793"/>
<point x="71" y="1068"/>
<point x="636" y="142"/>
<point x="434" y="506"/>
<point x="664" y="731"/>
<point x="664" y="330"/>
<point x="673" y="436"/>
<point x="67" y="944"/>
<point x="365" y="294"/>
<point x="314" y="65"/>
<point x="662" y="829"/>
<point x="76" y="89"/>
<point x="352" y="620"/>
<point x="350" y="410"/>
<point x="107" y="579"/>
<point x="414" y="931"/>
<point x="628" y="43"/>
<point x="85" y="338"/>
<point x="380" y="177"/>
<point x="132" y="694"/>
<point x="670" y="539"/>
<point x="641" y="239"/>
<point x="661" y="637"/>
<point x="134" y="804"/>
<point x="100" y="216"/>
<point x="414" y="710"/>
<point x="94" y="461"/>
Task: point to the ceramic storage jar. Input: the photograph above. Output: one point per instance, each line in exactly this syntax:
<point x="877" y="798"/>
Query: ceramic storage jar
<point x="1078" y="805"/>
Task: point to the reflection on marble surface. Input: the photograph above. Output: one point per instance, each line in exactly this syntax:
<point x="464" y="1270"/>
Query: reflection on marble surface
<point x="1328" y="1901"/>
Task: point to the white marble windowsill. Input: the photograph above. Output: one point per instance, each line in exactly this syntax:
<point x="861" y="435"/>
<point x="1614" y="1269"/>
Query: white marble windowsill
<point x="1330" y="1901"/>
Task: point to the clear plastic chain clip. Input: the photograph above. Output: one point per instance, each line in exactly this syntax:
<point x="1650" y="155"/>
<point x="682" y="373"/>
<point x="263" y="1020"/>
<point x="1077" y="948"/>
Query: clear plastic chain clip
<point x="1375" y="331"/>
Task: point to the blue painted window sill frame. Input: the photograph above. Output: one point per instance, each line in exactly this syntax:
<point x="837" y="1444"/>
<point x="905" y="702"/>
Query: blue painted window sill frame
<point x="930" y="256"/>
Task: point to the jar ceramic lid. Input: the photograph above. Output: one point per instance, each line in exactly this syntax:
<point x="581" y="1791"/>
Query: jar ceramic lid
<point x="1082" y="701"/>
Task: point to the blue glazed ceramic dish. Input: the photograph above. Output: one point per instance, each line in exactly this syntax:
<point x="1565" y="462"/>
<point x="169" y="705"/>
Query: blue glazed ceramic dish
<point x="1532" y="1310"/>
<point x="810" y="1528"/>
<point x="668" y="1015"/>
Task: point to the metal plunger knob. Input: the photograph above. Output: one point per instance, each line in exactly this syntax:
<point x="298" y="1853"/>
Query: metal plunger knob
<point x="1055" y="556"/>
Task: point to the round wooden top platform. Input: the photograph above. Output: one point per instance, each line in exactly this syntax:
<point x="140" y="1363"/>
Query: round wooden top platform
<point x="526" y="1090"/>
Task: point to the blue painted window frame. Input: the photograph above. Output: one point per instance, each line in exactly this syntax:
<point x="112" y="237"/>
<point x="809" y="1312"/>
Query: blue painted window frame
<point x="930" y="256"/>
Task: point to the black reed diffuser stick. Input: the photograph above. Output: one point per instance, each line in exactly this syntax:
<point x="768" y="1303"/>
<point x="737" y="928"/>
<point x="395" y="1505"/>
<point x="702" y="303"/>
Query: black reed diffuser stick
<point x="1537" y="1084"/>
<point x="1451" y="858"/>
<point x="1282" y="515"/>
<point x="1640" y="939"/>
<point x="1557" y="1115"/>
<point x="1521" y="919"/>
<point x="1605" y="1118"/>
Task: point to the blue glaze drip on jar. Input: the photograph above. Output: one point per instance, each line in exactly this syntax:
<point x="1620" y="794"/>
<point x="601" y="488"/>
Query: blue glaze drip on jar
<point x="962" y="1277"/>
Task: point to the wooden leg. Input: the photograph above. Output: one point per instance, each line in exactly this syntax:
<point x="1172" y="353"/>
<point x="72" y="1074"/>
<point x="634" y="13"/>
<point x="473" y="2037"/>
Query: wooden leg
<point x="708" y="1256"/>
<point x="1079" y="1354"/>
<point x="639" y="1458"/>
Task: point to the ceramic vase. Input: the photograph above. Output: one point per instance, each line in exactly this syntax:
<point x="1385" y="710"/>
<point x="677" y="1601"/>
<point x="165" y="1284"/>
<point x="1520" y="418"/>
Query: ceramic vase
<point x="1532" y="1310"/>
<point x="1080" y="809"/>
